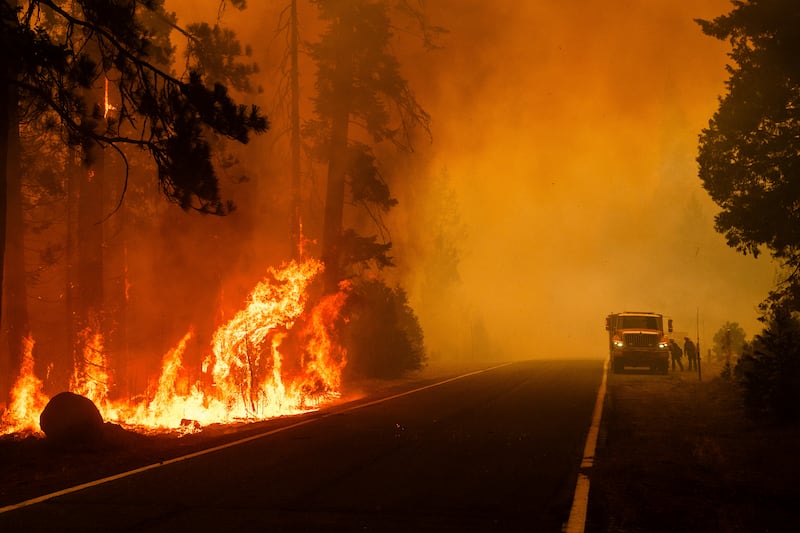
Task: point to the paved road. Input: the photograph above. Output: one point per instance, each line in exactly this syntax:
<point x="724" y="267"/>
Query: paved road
<point x="493" y="451"/>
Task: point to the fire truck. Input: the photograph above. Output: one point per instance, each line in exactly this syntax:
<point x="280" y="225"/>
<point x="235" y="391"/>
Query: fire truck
<point x="638" y="339"/>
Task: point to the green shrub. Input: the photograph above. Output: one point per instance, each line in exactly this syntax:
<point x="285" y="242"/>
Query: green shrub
<point x="383" y="337"/>
<point x="769" y="369"/>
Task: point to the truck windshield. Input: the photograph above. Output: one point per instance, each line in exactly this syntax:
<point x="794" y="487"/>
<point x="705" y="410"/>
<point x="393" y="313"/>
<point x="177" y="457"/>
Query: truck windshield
<point x="638" y="322"/>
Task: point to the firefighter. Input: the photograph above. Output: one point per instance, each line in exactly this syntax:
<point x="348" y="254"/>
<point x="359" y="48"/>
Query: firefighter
<point x="691" y="353"/>
<point x="676" y="353"/>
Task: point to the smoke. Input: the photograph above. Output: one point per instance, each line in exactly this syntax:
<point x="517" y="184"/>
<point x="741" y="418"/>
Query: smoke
<point x="569" y="134"/>
<point x="560" y="184"/>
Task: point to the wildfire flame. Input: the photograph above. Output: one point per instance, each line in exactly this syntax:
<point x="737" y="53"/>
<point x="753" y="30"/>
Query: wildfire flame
<point x="247" y="374"/>
<point x="107" y="105"/>
<point x="90" y="375"/>
<point x="27" y="398"/>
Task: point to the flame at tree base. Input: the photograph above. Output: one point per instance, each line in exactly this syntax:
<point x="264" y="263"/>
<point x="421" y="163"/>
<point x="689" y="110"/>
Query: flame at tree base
<point x="244" y="377"/>
<point x="27" y="398"/>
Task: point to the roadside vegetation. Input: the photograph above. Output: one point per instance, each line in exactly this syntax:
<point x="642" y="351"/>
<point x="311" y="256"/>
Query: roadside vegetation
<point x="748" y="162"/>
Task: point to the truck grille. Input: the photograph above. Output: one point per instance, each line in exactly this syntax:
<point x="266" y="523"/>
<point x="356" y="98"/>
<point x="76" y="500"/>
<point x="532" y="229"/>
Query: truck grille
<point x="641" y="340"/>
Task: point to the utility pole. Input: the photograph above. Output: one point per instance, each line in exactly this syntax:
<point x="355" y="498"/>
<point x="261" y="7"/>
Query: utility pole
<point x="697" y="349"/>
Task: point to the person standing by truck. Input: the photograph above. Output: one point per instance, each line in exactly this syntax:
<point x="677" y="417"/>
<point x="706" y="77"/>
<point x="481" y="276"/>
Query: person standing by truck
<point x="691" y="353"/>
<point x="676" y="353"/>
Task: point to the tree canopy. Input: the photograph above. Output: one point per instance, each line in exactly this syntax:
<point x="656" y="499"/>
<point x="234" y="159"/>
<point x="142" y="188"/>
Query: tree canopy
<point x="728" y="341"/>
<point x="749" y="155"/>
<point x="749" y="160"/>
<point x="358" y="83"/>
<point x="55" y="51"/>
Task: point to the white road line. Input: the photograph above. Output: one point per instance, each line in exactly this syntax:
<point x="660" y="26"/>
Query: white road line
<point x="580" y="500"/>
<point x="76" y="488"/>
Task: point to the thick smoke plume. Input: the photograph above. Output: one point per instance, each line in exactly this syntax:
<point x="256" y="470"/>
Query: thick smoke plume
<point x="561" y="183"/>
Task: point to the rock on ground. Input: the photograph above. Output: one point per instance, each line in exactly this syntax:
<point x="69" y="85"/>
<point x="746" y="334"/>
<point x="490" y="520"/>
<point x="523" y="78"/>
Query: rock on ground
<point x="71" y="420"/>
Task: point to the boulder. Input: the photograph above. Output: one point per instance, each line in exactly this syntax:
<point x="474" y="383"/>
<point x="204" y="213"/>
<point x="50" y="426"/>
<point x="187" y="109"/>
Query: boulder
<point x="70" y="420"/>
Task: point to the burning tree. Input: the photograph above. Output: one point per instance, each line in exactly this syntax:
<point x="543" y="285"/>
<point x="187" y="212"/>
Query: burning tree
<point x="362" y="102"/>
<point x="358" y="82"/>
<point x="364" y="115"/>
<point x="278" y="355"/>
<point x="58" y="58"/>
<point x="282" y="352"/>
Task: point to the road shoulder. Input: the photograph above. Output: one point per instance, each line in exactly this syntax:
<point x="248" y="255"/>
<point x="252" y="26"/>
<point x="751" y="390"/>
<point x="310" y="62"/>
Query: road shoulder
<point x="678" y="454"/>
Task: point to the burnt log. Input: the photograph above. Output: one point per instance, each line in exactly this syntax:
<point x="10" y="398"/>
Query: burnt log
<point x="71" y="421"/>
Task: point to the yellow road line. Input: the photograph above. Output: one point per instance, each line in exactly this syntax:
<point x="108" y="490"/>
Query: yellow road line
<point x="580" y="500"/>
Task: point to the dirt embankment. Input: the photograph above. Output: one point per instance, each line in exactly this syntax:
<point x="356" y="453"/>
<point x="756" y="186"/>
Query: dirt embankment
<point x="679" y="454"/>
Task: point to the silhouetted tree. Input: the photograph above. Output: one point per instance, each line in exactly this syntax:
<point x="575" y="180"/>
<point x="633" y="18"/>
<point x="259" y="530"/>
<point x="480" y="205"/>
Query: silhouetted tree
<point x="358" y="83"/>
<point x="362" y="102"/>
<point x="769" y="370"/>
<point x="749" y="159"/>
<point x="383" y="336"/>
<point x="440" y="236"/>
<point x="47" y="63"/>
<point x="295" y="231"/>
<point x="727" y="343"/>
<point x="749" y="155"/>
<point x="16" y="305"/>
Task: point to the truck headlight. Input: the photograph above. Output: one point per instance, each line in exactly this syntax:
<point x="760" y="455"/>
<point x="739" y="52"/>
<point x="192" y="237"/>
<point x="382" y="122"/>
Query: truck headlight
<point x="618" y="343"/>
<point x="663" y="345"/>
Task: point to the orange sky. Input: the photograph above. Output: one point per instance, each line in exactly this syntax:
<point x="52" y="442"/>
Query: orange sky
<point x="567" y="132"/>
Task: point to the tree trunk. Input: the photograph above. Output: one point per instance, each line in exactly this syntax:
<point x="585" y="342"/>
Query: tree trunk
<point x="337" y="171"/>
<point x="6" y="102"/>
<point x="90" y="236"/>
<point x="295" y="231"/>
<point x="74" y="171"/>
<point x="116" y="265"/>
<point x="16" y="294"/>
<point x="89" y="300"/>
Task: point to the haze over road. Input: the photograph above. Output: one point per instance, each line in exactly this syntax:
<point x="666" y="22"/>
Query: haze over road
<point x="493" y="451"/>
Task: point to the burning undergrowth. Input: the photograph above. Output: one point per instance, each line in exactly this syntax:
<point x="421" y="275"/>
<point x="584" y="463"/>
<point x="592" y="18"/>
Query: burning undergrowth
<point x="278" y="355"/>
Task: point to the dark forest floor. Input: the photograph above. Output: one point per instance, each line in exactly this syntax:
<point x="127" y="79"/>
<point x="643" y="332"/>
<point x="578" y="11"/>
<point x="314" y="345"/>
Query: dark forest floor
<point x="678" y="454"/>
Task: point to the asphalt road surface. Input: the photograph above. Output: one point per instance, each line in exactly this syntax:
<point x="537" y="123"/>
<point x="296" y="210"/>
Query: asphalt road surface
<point x="497" y="450"/>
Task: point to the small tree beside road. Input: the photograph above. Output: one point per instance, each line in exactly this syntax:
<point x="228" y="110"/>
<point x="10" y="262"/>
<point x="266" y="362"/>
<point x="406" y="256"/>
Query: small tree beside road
<point x="728" y="342"/>
<point x="769" y="369"/>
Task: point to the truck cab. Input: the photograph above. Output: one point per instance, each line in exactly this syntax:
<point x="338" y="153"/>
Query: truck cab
<point x="638" y="339"/>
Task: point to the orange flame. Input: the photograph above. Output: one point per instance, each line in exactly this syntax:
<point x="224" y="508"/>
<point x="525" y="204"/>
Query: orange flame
<point x="27" y="398"/>
<point x="107" y="105"/>
<point x="244" y="377"/>
<point x="326" y="358"/>
<point x="242" y="349"/>
<point x="90" y="375"/>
